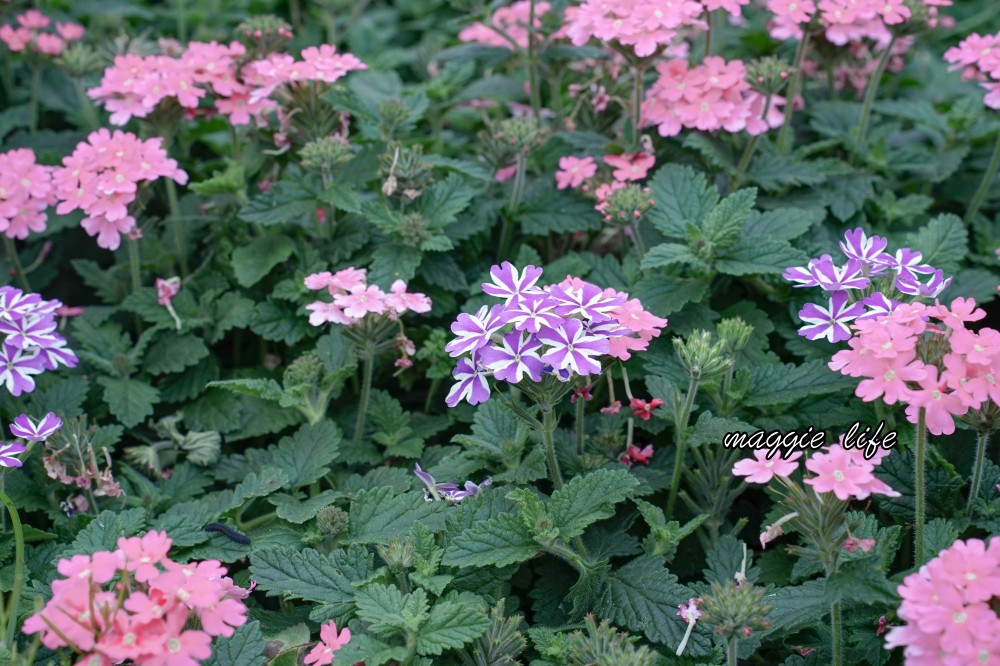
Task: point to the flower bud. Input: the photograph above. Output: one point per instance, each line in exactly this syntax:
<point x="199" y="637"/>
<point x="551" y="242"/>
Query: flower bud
<point x="306" y="370"/>
<point x="769" y="75"/>
<point x="397" y="554"/>
<point x="324" y="155"/>
<point x="735" y="610"/>
<point x="332" y="521"/>
<point x="700" y="357"/>
<point x="263" y="35"/>
<point x="734" y="333"/>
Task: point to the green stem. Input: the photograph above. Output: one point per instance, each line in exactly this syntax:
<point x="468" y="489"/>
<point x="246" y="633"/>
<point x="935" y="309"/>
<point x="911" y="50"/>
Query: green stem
<point x="533" y="89"/>
<point x="872" y="91"/>
<point x="982" y="445"/>
<point x="580" y="437"/>
<point x="785" y="136"/>
<point x="86" y="106"/>
<point x="987" y="184"/>
<point x="175" y="224"/>
<point x="254" y="523"/>
<point x="640" y="247"/>
<point x="732" y="651"/>
<point x="181" y="17"/>
<point x="368" y="371"/>
<point x="750" y="149"/>
<point x="919" y="481"/>
<point x="635" y="109"/>
<point x="36" y="84"/>
<point x="836" y="635"/>
<point x="22" y="277"/>
<point x="548" y="429"/>
<point x="133" y="263"/>
<point x="708" y="37"/>
<point x="19" y="571"/>
<point x="682" y="421"/>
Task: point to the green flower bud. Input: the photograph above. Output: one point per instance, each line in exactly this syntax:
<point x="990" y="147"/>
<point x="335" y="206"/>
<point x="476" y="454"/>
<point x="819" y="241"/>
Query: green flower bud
<point x="332" y="521"/>
<point x="735" y="610"/>
<point x="734" y="333"/>
<point x="700" y="357"/>
<point x="397" y="554"/>
<point x="79" y="60"/>
<point x="263" y="35"/>
<point x="626" y="205"/>
<point x="769" y="75"/>
<point x="324" y="155"/>
<point x="306" y="370"/>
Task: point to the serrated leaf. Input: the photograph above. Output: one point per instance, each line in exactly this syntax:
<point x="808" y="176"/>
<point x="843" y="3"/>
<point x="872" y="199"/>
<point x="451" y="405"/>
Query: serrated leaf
<point x="378" y="515"/>
<point x="548" y="210"/>
<point x="939" y="534"/>
<point x="184" y="523"/>
<point x="280" y="322"/>
<point x="778" y="384"/>
<point x="244" y="648"/>
<point x="286" y="201"/>
<point x="341" y="196"/>
<point x="797" y="607"/>
<point x="252" y="262"/>
<point x="722" y="226"/>
<point x="846" y="195"/>
<point x="944" y="242"/>
<point x="393" y="261"/>
<point x="760" y="256"/>
<point x="299" y="511"/>
<point x="381" y="606"/>
<point x="782" y="224"/>
<point x="681" y="196"/>
<point x="102" y="532"/>
<point x="309" y="575"/>
<point x="774" y="171"/>
<point x="306" y="455"/>
<point x="258" y="484"/>
<point x="451" y="624"/>
<point x="710" y="429"/>
<point x="441" y="203"/>
<point x="129" y="400"/>
<point x="587" y="499"/>
<point x="268" y="389"/>
<point x="173" y="353"/>
<point x="861" y="580"/>
<point x="668" y="254"/>
<point x="663" y="296"/>
<point x="499" y="541"/>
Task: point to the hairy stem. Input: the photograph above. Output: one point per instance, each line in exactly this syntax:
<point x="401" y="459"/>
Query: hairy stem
<point x="368" y="371"/>
<point x="580" y="436"/>
<point x="919" y="481"/>
<point x="22" y="277"/>
<point x="682" y="422"/>
<point x="133" y="263"/>
<point x="635" y="106"/>
<point x="86" y="106"/>
<point x="175" y="223"/>
<point x="871" y="91"/>
<point x="14" y="601"/>
<point x="987" y="184"/>
<point x="548" y="441"/>
<point x="732" y="649"/>
<point x="36" y="84"/>
<point x="836" y="635"/>
<point x="533" y="89"/>
<point x="982" y="445"/>
<point x="785" y="136"/>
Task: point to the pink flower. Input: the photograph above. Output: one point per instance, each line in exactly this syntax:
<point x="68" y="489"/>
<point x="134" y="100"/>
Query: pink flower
<point x="632" y="166"/>
<point x="400" y="301"/>
<point x="506" y="25"/>
<point x="142" y="555"/>
<point x="167" y="289"/>
<point x="845" y="473"/>
<point x="643" y="409"/>
<point x="573" y="171"/>
<point x="26" y="191"/>
<point x="330" y="642"/>
<point x="71" y="32"/>
<point x="635" y="454"/>
<point x="852" y="544"/>
<point x="360" y="301"/>
<point x="616" y="407"/>
<point x="760" y="469"/>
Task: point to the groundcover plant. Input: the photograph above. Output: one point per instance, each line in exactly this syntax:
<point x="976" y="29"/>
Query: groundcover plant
<point x="466" y="333"/>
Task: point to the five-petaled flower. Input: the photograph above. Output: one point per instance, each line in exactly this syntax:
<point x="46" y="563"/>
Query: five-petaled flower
<point x="643" y="409"/>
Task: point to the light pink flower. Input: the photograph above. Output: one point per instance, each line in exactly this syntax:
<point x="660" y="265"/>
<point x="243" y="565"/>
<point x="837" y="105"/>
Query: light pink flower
<point x="761" y="470"/>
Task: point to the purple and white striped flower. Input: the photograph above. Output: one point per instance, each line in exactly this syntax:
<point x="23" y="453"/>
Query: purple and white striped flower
<point x="7" y="453"/>
<point x="14" y="303"/>
<point x="515" y="358"/>
<point x="450" y="492"/>
<point x="30" y="331"/>
<point x="25" y="428"/>
<point x="831" y="277"/>
<point x="532" y="313"/>
<point x="17" y="367"/>
<point x="471" y="385"/>
<point x="911" y="285"/>
<point x="908" y="263"/>
<point x="473" y="332"/>
<point x="866" y="249"/>
<point x="830" y="322"/>
<point x="586" y="300"/>
<point x="572" y="348"/>
<point x="878" y="305"/>
<point x="512" y="285"/>
<point x="57" y="354"/>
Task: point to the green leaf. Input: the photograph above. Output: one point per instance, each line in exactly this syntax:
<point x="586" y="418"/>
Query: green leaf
<point x="393" y="261"/>
<point x="760" y="256"/>
<point x="102" y="532"/>
<point x="797" y="607"/>
<point x="381" y="606"/>
<point x="682" y="196"/>
<point x="231" y="181"/>
<point x="499" y="541"/>
<point x="774" y="172"/>
<point x="668" y="254"/>
<point x="299" y="511"/>
<point x="268" y="389"/>
<point x="184" y="523"/>
<point x="944" y="242"/>
<point x="782" y="224"/>
<point x="288" y="200"/>
<point x="861" y="580"/>
<point x="244" y="648"/>
<point x="341" y="196"/>
<point x="778" y="384"/>
<point x="548" y="210"/>
<point x="231" y="311"/>
<point x="129" y="400"/>
<point x="280" y="323"/>
<point x="939" y="534"/>
<point x="846" y="195"/>
<point x="724" y="222"/>
<point x="173" y="353"/>
<point x="662" y="295"/>
<point x="451" y="624"/>
<point x="306" y="455"/>
<point x="378" y="515"/>
<point x="711" y="429"/>
<point x="643" y="596"/>
<point x="441" y="203"/>
<point x="309" y="575"/>
<point x="252" y="262"/>
<point x="587" y="499"/>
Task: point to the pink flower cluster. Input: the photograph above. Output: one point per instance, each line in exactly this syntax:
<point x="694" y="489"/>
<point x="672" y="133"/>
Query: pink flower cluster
<point x="645" y="26"/>
<point x="936" y="366"/>
<point x="101" y="178"/>
<point x="25" y="192"/>
<point x="330" y="642"/>
<point x="508" y="24"/>
<point x="30" y="32"/>
<point x="135" y="85"/>
<point x="847" y="20"/>
<point x="843" y="471"/>
<point x="947" y="607"/>
<point x="711" y="96"/>
<point x="579" y="172"/>
<point x="979" y="59"/>
<point x="353" y="299"/>
<point x="147" y="615"/>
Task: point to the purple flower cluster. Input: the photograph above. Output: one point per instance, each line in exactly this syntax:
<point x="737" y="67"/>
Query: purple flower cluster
<point x="449" y="492"/>
<point x="857" y="287"/>
<point x="27" y="429"/>
<point x="559" y="330"/>
<point x="31" y="345"/>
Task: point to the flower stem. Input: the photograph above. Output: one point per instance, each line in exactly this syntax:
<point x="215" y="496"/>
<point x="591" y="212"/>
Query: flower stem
<point x="548" y="429"/>
<point x="919" y="471"/>
<point x="982" y="445"/>
<point x="368" y="371"/>
<point x="836" y="635"/>
<point x="872" y="91"/>
<point x="19" y="571"/>
<point x="640" y="247"/>
<point x="133" y="263"/>
<point x="580" y="436"/>
<point x="16" y="261"/>
<point x="750" y="149"/>
<point x="732" y="651"/>
<point x="987" y="184"/>
<point x="785" y="137"/>
<point x="175" y="223"/>
<point x="681" y="422"/>
<point x="181" y="16"/>
<point x="36" y="84"/>
<point x="533" y="89"/>
<point x="86" y="106"/>
<point x="635" y="108"/>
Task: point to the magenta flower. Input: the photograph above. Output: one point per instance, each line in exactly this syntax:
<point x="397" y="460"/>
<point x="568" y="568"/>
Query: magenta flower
<point x="531" y="314"/>
<point x="585" y="300"/>
<point x="830" y="322"/>
<point x="573" y="349"/>
<point x="472" y="385"/>
<point x="511" y="284"/>
<point x="908" y="283"/>
<point x="907" y="263"/>
<point x="25" y="428"/>
<point x="31" y="330"/>
<point x="515" y="358"/>
<point x="7" y="453"/>
<point x="836" y="278"/>
<point x="17" y="367"/>
<point x="878" y="305"/>
<point x="867" y="249"/>
<point x="761" y="470"/>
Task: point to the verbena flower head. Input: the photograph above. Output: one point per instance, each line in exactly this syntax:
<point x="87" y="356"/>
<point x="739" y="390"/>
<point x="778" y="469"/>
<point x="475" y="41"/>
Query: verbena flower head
<point x="34" y="32"/>
<point x="947" y="607"/>
<point x="30" y="344"/>
<point x="25" y="428"/>
<point x="846" y="474"/>
<point x="25" y="192"/>
<point x="924" y="357"/>
<point x="137" y="604"/>
<point x="506" y="25"/>
<point x="449" y="492"/>
<point x="354" y="299"/>
<point x="978" y="57"/>
<point x="565" y="330"/>
<point x="102" y="177"/>
<point x="845" y="21"/>
<point x="330" y="641"/>
<point x="643" y="27"/>
<point x="870" y="283"/>
<point x="761" y="469"/>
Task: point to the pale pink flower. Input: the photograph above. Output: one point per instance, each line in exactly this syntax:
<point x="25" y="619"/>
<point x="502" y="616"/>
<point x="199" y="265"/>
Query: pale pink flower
<point x="330" y="642"/>
<point x="634" y="166"/>
<point x="760" y="469"/>
<point x="573" y="171"/>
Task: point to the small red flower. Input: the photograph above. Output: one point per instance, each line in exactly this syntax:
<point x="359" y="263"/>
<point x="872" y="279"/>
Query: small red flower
<point x="644" y="409"/>
<point x="643" y="455"/>
<point x="581" y="393"/>
<point x="616" y="407"/>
